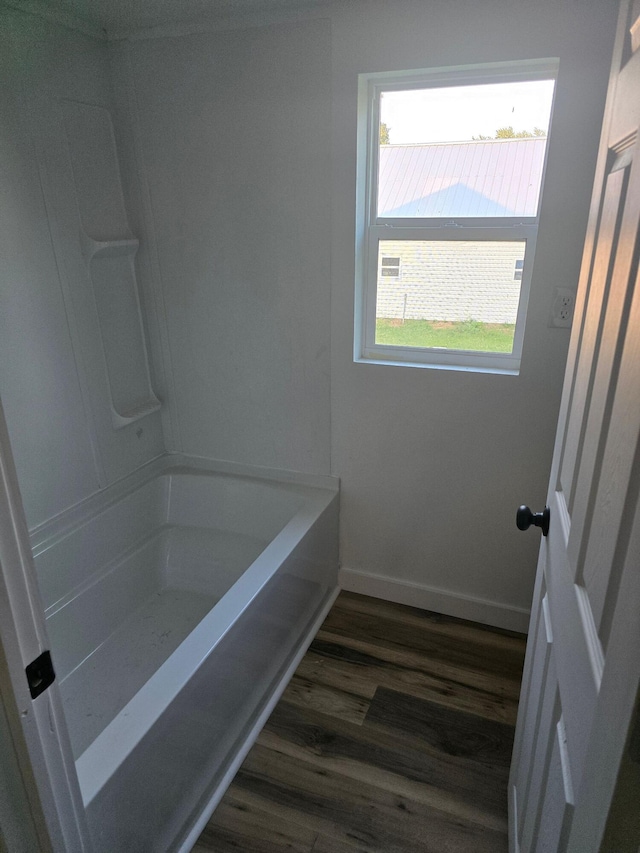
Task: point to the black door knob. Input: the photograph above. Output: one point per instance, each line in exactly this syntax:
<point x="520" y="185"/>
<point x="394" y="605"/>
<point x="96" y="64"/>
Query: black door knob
<point x="525" y="518"/>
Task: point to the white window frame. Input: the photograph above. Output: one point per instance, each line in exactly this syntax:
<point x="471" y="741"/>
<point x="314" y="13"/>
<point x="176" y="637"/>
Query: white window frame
<point x="371" y="228"/>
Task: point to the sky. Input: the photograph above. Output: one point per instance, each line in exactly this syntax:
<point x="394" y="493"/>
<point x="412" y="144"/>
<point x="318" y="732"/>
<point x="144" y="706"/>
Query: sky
<point x="456" y="113"/>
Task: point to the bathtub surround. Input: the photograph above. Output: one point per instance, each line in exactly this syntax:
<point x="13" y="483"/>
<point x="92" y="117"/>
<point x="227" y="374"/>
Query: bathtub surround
<point x="230" y="166"/>
<point x="54" y="374"/>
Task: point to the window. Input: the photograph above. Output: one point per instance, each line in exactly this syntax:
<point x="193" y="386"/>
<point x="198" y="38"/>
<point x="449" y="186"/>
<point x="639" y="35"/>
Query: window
<point x="450" y="168"/>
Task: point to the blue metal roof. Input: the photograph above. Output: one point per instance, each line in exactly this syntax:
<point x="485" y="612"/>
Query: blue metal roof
<point x="497" y="177"/>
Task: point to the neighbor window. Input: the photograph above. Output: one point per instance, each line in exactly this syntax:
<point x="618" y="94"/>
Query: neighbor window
<point x="450" y="167"/>
<point x="390" y="267"/>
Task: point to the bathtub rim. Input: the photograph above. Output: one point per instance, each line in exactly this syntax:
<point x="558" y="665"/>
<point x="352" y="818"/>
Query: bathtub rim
<point x="52" y="529"/>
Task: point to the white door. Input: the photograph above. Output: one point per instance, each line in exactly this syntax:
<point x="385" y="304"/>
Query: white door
<point x="583" y="656"/>
<point x="41" y="807"/>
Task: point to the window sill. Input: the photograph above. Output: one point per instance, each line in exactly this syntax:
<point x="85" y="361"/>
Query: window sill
<point x="464" y="365"/>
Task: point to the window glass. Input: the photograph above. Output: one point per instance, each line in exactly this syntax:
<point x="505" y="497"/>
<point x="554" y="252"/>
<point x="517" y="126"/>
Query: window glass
<point x="463" y="151"/>
<point x="453" y="295"/>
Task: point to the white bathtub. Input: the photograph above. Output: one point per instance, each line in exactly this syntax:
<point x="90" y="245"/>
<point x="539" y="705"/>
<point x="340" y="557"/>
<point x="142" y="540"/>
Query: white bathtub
<point x="177" y="605"/>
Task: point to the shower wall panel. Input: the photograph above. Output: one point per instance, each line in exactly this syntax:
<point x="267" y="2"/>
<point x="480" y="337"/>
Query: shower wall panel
<point x="230" y="144"/>
<point x="53" y="377"/>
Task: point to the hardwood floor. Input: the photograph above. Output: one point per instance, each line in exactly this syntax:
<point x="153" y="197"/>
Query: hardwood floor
<point x="394" y="735"/>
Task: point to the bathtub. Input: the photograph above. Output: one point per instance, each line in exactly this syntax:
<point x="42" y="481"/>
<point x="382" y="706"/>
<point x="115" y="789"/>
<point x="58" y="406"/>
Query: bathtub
<point x="178" y="604"/>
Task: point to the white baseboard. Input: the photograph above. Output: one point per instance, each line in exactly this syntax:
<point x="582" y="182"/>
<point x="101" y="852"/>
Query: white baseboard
<point x="439" y="600"/>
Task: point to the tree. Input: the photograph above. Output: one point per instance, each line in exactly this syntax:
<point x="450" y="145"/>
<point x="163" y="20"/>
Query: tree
<point x="505" y="133"/>
<point x="384" y="133"/>
<point x="510" y="133"/>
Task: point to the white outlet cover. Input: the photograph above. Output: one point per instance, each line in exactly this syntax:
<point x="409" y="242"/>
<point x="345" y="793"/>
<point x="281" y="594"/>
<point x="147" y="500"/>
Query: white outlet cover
<point x="562" y="309"/>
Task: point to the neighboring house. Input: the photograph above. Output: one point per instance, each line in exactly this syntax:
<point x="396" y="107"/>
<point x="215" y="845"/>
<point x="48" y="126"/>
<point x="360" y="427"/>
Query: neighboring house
<point x="445" y="280"/>
<point x="450" y="281"/>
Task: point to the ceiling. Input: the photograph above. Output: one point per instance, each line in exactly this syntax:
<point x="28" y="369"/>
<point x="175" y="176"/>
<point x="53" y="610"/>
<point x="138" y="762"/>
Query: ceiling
<point x="118" y="16"/>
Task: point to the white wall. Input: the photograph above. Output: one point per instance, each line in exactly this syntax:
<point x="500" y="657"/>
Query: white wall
<point x="52" y="377"/>
<point x="434" y="463"/>
<point x="231" y="145"/>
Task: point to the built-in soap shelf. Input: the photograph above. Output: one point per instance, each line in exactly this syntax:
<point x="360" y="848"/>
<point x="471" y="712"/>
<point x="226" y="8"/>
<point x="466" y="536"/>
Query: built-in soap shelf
<point x="125" y="246"/>
<point x="109" y="250"/>
<point x="112" y="272"/>
<point x="122" y="419"/>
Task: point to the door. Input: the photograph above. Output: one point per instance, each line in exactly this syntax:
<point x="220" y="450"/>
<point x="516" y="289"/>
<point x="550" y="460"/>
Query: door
<point x="583" y="657"/>
<point x="41" y="807"/>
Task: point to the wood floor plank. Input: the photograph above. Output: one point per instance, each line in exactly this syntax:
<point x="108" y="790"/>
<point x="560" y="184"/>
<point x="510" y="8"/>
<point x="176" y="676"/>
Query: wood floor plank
<point x="327" y="699"/>
<point x="367" y="667"/>
<point x="503" y="662"/>
<point x="326" y="844"/>
<point x="236" y="826"/>
<point x="435" y="623"/>
<point x="328" y="669"/>
<point x="393" y="761"/>
<point x="335" y="805"/>
<point x="432" y="663"/>
<point x="446" y="730"/>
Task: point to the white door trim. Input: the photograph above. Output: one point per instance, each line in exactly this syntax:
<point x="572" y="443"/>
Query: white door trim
<point x="38" y="731"/>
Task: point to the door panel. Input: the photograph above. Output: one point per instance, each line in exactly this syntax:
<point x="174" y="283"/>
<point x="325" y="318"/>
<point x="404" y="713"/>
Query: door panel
<point x="549" y="713"/>
<point x="605" y="465"/>
<point x="612" y="207"/>
<point x="541" y="645"/>
<point x="586" y="561"/>
<point x="557" y="807"/>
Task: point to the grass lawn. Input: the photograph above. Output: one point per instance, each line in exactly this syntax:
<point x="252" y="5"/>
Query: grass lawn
<point x="467" y="335"/>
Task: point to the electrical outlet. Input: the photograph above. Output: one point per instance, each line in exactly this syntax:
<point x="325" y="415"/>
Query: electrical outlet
<point x="562" y="311"/>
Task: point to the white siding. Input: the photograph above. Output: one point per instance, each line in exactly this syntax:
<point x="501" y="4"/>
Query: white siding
<point x="451" y="281"/>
